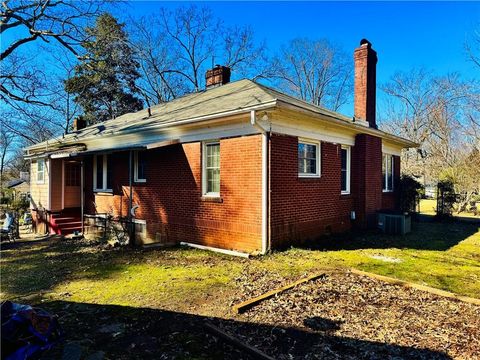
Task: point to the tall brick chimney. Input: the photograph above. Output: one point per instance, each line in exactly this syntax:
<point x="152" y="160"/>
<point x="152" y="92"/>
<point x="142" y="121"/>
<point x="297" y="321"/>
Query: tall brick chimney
<point x="219" y="75"/>
<point x="365" y="91"/>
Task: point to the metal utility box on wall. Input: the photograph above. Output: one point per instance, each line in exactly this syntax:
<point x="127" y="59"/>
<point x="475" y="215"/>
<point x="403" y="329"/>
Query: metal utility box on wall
<point x="394" y="224"/>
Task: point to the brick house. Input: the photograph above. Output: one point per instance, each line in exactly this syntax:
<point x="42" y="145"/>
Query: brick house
<point x="238" y="166"/>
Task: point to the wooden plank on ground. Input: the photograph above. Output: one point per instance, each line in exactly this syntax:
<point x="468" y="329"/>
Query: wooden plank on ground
<point x="418" y="286"/>
<point x="257" y="354"/>
<point x="244" y="306"/>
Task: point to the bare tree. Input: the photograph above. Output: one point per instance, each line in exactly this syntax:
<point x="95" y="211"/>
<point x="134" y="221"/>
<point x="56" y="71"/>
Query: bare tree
<point x="472" y="126"/>
<point x="6" y="142"/>
<point x="472" y="46"/>
<point x="28" y="21"/>
<point x="430" y="111"/>
<point x="157" y="58"/>
<point x="175" y="49"/>
<point x="316" y="71"/>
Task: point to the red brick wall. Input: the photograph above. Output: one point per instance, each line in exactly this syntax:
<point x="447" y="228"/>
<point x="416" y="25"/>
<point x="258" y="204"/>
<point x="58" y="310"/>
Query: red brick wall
<point x="171" y="200"/>
<point x="305" y="208"/>
<point x="390" y="200"/>
<point x="367" y="187"/>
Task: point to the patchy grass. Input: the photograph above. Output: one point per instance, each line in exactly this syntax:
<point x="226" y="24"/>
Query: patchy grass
<point x="446" y="256"/>
<point x="80" y="273"/>
<point x="162" y="298"/>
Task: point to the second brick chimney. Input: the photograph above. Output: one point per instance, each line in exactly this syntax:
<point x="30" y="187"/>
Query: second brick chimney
<point x="219" y="75"/>
<point x="365" y="91"/>
<point x="79" y="123"/>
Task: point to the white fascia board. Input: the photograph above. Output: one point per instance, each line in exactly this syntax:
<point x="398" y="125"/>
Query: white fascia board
<point x="174" y="135"/>
<point x="346" y="123"/>
<point x="314" y="133"/>
<point x="392" y="149"/>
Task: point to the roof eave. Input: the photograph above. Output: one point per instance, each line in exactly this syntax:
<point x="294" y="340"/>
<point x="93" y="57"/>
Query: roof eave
<point x="190" y="121"/>
<point x="343" y="121"/>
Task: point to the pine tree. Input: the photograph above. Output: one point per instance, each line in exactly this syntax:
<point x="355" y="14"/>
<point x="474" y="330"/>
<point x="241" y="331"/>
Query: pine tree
<point x="104" y="81"/>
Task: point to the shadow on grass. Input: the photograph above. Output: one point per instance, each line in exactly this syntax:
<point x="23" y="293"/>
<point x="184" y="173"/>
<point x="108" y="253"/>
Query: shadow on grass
<point x="141" y="333"/>
<point x="425" y="235"/>
<point x="36" y="267"/>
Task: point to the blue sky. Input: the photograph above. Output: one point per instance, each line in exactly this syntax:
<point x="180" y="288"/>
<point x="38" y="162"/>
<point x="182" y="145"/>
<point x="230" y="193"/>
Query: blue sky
<point x="405" y="35"/>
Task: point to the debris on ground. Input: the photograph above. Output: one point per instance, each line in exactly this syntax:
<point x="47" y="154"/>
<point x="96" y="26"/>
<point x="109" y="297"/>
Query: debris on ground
<point x="26" y="331"/>
<point x="348" y="316"/>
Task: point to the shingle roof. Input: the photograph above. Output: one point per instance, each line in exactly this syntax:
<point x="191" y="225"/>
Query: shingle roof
<point x="15" y="182"/>
<point x="238" y="95"/>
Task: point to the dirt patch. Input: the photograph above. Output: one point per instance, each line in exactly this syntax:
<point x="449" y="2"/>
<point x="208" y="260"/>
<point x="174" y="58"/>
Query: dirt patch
<point x="348" y="316"/>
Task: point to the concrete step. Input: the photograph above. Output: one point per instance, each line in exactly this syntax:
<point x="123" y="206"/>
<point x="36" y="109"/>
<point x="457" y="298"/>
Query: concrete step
<point x="64" y="220"/>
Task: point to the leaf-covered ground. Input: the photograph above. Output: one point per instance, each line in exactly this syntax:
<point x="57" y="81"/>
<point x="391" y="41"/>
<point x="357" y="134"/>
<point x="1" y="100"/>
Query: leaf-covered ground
<point x="145" y="292"/>
<point x="348" y="316"/>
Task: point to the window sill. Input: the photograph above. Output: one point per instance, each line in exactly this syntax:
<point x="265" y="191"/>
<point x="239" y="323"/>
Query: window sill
<point x="103" y="192"/>
<point x="140" y="181"/>
<point x="214" y="199"/>
<point x="387" y="191"/>
<point x="344" y="193"/>
<point x="309" y="176"/>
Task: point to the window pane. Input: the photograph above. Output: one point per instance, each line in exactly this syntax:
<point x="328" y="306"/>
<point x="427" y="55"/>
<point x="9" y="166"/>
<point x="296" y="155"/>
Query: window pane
<point x="344" y="159"/>
<point x="344" y="180"/>
<point x="390" y="173"/>
<point x="72" y="174"/>
<point x="99" y="184"/>
<point x="311" y="166"/>
<point x="40" y="169"/>
<point x="109" y="171"/>
<point x="212" y="168"/>
<point x="141" y="165"/>
<point x="384" y="160"/>
<point x="213" y="180"/>
<point x="307" y="158"/>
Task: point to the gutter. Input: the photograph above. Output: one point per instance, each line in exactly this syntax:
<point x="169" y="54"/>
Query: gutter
<point x="139" y="126"/>
<point x="351" y="125"/>
<point x="265" y="187"/>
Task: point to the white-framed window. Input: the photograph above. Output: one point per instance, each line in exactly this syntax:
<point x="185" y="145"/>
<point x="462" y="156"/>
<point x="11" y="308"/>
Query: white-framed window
<point x="102" y="173"/>
<point x="40" y="171"/>
<point x="345" y="169"/>
<point x="387" y="172"/>
<point x="211" y="169"/>
<point x="308" y="158"/>
<point x="140" y="167"/>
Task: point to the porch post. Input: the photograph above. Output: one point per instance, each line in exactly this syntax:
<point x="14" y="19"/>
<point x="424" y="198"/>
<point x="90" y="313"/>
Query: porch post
<point x="130" y="200"/>
<point x="82" y="194"/>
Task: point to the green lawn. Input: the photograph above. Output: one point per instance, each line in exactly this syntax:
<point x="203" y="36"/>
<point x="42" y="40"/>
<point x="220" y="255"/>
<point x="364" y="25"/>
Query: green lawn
<point x="429" y="206"/>
<point x="446" y="256"/>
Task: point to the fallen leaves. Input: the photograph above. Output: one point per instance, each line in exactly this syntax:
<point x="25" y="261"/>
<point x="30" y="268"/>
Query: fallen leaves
<point x="352" y="316"/>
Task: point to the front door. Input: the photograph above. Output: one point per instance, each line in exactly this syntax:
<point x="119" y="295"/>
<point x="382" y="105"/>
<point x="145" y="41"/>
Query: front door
<point x="72" y="183"/>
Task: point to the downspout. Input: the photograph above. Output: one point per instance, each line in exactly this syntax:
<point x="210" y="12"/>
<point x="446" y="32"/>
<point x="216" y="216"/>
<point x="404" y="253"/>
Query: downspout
<point x="265" y="187"/>
<point x="130" y="200"/>
<point x="82" y="195"/>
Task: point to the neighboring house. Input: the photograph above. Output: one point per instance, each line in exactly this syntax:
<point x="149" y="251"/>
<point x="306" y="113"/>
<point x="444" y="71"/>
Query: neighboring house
<point x="238" y="166"/>
<point x="20" y="188"/>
